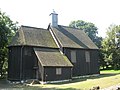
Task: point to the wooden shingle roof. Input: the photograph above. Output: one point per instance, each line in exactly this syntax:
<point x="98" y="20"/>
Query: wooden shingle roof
<point x="52" y="57"/>
<point x="73" y="38"/>
<point x="32" y="36"/>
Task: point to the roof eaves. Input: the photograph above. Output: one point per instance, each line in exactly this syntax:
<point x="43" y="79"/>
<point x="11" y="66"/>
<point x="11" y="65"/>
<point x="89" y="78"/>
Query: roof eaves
<point x="34" y="46"/>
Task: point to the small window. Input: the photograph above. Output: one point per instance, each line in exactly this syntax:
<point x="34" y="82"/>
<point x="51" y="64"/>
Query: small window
<point x="58" y="71"/>
<point x="73" y="56"/>
<point x="87" y="56"/>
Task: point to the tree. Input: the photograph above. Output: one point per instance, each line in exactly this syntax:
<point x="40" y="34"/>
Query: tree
<point x="7" y="30"/>
<point x="110" y="49"/>
<point x="89" y="28"/>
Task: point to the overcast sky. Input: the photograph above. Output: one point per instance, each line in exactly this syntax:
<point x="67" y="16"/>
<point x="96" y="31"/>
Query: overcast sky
<point x="36" y="12"/>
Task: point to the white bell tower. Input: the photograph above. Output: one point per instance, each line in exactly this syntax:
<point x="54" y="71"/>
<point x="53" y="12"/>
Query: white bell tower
<point x="54" y="19"/>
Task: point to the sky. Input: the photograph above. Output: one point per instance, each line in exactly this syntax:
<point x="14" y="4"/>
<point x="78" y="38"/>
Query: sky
<point x="36" y="13"/>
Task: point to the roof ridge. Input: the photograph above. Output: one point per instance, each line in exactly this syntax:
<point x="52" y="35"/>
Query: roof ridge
<point x="70" y="27"/>
<point x="32" y="27"/>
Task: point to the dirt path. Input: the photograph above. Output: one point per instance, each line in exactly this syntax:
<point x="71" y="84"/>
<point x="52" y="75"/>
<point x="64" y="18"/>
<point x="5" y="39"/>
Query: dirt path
<point x="115" y="87"/>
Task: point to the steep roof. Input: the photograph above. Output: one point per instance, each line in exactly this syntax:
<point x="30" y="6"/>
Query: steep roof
<point x="52" y="57"/>
<point x="33" y="37"/>
<point x="73" y="38"/>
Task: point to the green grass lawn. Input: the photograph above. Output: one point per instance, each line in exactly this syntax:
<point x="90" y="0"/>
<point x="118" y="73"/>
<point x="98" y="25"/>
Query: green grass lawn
<point x="107" y="78"/>
<point x="110" y="71"/>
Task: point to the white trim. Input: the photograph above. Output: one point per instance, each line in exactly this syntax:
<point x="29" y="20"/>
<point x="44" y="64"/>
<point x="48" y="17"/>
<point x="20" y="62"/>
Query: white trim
<point x="86" y="76"/>
<point x="54" y="38"/>
<point x="59" y="81"/>
<point x="38" y="58"/>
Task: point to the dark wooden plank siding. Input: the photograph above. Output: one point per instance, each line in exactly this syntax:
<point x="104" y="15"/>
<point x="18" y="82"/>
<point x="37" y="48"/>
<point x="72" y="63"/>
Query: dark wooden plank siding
<point x="40" y="74"/>
<point x="22" y="63"/>
<point x="81" y="67"/>
<point x="77" y="68"/>
<point x="81" y="63"/>
<point x="50" y="74"/>
<point x="14" y="63"/>
<point x="95" y="62"/>
<point x="30" y="63"/>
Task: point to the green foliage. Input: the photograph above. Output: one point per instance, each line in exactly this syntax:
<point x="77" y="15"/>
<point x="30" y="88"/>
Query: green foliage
<point x="110" y="49"/>
<point x="7" y="30"/>
<point x="89" y="28"/>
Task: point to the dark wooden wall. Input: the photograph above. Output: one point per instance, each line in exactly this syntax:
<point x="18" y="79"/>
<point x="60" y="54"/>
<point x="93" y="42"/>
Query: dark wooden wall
<point x="40" y="74"/>
<point x="14" y="63"/>
<point x="30" y="63"/>
<point x="81" y="67"/>
<point x="50" y="74"/>
<point x="95" y="62"/>
<point x="22" y="63"/>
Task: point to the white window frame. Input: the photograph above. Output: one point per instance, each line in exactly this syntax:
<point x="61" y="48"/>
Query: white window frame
<point x="87" y="56"/>
<point x="58" y="71"/>
<point x="73" y="56"/>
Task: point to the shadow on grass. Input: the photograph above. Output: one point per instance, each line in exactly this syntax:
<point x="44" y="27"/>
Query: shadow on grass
<point x="74" y="80"/>
<point x="68" y="89"/>
<point x="5" y="85"/>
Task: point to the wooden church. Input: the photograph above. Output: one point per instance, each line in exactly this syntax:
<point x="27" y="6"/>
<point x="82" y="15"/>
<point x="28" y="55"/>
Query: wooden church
<point x="52" y="54"/>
